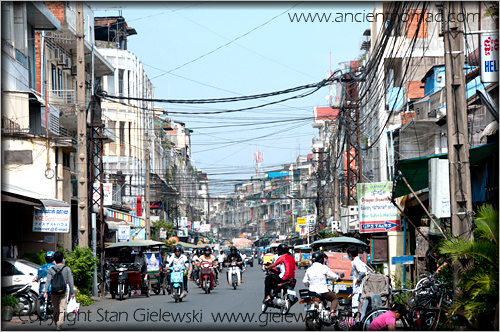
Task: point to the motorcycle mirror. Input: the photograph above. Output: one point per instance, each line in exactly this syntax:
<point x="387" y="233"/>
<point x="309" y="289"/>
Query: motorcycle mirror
<point x="342" y="275"/>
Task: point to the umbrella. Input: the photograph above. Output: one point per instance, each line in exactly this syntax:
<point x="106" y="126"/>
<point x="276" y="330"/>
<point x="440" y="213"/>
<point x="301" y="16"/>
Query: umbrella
<point x="136" y="243"/>
<point x="339" y="240"/>
<point x="241" y="242"/>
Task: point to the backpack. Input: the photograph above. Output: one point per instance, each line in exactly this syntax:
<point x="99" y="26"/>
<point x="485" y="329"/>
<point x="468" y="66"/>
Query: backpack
<point x="58" y="284"/>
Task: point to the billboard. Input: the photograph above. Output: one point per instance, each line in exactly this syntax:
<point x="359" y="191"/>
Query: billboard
<point x="108" y="193"/>
<point x="376" y="213"/>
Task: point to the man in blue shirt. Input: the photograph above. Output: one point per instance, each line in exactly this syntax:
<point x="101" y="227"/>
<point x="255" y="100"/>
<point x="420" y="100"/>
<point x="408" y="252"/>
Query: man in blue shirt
<point x="42" y="272"/>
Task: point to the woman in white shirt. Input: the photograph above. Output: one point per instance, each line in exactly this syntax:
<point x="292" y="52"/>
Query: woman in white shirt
<point x="315" y="279"/>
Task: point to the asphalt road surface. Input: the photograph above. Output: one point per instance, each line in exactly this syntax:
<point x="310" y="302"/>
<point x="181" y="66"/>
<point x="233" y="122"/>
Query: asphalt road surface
<point x="223" y="309"/>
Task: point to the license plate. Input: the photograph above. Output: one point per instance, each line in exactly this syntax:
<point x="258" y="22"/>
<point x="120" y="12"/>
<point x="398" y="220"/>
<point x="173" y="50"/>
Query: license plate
<point x="338" y="288"/>
<point x="309" y="307"/>
<point x="291" y="292"/>
<point x="43" y="279"/>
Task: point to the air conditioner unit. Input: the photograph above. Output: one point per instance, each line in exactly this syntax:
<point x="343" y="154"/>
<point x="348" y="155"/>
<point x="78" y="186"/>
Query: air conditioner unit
<point x="67" y="63"/>
<point x="57" y="53"/>
<point x="62" y="58"/>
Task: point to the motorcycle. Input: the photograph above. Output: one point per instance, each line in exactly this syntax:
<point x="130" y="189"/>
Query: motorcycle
<point x="44" y="308"/>
<point x="122" y="283"/>
<point x="207" y="277"/>
<point x="234" y="275"/>
<point x="177" y="282"/>
<point x="317" y="310"/>
<point x="283" y="297"/>
<point x="27" y="299"/>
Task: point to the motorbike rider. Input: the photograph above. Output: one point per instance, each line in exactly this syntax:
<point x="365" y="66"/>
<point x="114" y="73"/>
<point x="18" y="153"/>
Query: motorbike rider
<point x="243" y="258"/>
<point x="178" y="258"/>
<point x="359" y="271"/>
<point x="208" y="257"/>
<point x="286" y="266"/>
<point x="43" y="270"/>
<point x="234" y="256"/>
<point x="315" y="279"/>
<point x="221" y="258"/>
<point x="195" y="260"/>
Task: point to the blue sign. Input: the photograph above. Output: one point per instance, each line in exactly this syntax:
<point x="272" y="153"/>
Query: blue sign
<point x="399" y="260"/>
<point x="379" y="226"/>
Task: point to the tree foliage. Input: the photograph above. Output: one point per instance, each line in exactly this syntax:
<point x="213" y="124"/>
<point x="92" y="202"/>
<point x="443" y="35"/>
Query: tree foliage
<point x="82" y="262"/>
<point x="479" y="280"/>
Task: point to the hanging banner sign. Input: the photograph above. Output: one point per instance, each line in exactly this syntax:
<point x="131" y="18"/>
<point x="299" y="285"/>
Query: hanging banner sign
<point x="196" y="225"/>
<point x="376" y="213"/>
<point x="205" y="228"/>
<point x="52" y="220"/>
<point x="301" y="221"/>
<point x="489" y="57"/>
<point x="108" y="193"/>
<point x="123" y="233"/>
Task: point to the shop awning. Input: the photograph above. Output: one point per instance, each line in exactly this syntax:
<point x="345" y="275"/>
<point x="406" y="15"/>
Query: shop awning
<point x="113" y="223"/>
<point x="417" y="174"/>
<point x="19" y="195"/>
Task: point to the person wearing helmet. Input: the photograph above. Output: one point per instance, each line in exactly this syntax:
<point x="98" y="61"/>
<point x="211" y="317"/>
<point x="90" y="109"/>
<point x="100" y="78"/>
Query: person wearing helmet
<point x="285" y="264"/>
<point x="195" y="262"/>
<point x="43" y="270"/>
<point x="234" y="256"/>
<point x="315" y="279"/>
<point x="208" y="257"/>
<point x="178" y="258"/>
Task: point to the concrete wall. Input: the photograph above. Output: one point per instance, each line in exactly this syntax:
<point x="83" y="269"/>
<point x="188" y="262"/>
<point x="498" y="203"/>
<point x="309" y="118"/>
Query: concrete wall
<point x="395" y="241"/>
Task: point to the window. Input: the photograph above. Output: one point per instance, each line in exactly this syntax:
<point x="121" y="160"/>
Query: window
<point x="111" y="84"/>
<point x="130" y="138"/>
<point x="54" y="78"/>
<point x="122" y="138"/>
<point x="9" y="270"/>
<point x="121" y="73"/>
<point x="59" y="81"/>
<point x="66" y="160"/>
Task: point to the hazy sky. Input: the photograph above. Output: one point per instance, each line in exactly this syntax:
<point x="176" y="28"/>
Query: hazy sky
<point x="229" y="49"/>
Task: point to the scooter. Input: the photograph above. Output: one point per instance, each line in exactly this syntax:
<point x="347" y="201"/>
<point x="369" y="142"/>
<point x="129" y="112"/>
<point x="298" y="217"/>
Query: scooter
<point x="122" y="283"/>
<point x="44" y="307"/>
<point x="27" y="301"/>
<point x="283" y="297"/>
<point x="317" y="310"/>
<point x="234" y="275"/>
<point x="207" y="277"/>
<point x="177" y="282"/>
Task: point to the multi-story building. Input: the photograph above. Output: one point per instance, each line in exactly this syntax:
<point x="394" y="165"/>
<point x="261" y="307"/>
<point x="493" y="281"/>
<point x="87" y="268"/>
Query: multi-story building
<point x="39" y="119"/>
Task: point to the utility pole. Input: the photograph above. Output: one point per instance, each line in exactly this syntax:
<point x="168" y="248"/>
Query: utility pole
<point x="456" y="120"/>
<point x="83" y="210"/>
<point x="147" y="190"/>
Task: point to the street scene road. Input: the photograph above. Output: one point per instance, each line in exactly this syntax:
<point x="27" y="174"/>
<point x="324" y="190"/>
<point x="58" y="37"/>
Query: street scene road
<point x="223" y="309"/>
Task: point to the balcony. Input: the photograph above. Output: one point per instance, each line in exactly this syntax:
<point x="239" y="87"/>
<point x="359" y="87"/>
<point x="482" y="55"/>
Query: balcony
<point x="318" y="143"/>
<point x="65" y="102"/>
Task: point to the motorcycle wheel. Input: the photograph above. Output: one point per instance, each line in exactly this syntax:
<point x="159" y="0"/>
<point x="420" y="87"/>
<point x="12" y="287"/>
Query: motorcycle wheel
<point x="310" y="326"/>
<point x="286" y="307"/>
<point x="41" y="311"/>
<point x="264" y="308"/>
<point x="25" y="305"/>
<point x="113" y="296"/>
<point x="122" y="289"/>
<point x="180" y="300"/>
<point x="206" y="287"/>
<point x="157" y="291"/>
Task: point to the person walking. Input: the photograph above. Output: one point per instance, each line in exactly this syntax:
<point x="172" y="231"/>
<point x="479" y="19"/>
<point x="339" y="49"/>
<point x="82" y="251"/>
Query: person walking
<point x="359" y="271"/>
<point x="60" y="277"/>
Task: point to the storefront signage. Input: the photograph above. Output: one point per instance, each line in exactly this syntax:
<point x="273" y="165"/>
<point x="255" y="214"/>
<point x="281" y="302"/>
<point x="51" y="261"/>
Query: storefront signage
<point x="52" y="220"/>
<point x="376" y="213"/>
<point x="205" y="228"/>
<point x="489" y="57"/>
<point x="123" y="233"/>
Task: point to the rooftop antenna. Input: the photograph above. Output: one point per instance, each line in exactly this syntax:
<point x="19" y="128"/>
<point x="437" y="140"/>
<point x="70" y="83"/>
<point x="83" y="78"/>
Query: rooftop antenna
<point x="258" y="157"/>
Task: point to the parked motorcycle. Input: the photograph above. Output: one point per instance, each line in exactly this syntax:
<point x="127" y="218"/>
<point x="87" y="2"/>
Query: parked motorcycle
<point x="317" y="310"/>
<point x="177" y="282"/>
<point x="283" y="297"/>
<point x="122" y="283"/>
<point x="207" y="277"/>
<point x="234" y="275"/>
<point x="27" y="299"/>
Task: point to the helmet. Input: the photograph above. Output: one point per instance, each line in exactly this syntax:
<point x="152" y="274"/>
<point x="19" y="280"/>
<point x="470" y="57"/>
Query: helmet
<point x="207" y="249"/>
<point x="179" y="248"/>
<point x="234" y="250"/>
<point x="318" y="257"/>
<point x="49" y="257"/>
<point x="282" y="248"/>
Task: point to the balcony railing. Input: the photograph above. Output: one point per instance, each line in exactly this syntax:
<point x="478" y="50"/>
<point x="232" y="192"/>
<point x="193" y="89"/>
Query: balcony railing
<point x="65" y="98"/>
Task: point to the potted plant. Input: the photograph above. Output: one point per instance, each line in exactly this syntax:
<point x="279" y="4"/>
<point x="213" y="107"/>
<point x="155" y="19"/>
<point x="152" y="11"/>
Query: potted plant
<point x="9" y="303"/>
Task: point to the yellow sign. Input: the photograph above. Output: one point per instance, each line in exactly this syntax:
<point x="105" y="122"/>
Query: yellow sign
<point x="301" y="221"/>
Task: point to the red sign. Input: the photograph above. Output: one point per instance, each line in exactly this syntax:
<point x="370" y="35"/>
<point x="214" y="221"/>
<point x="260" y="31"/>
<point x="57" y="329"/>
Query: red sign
<point x="139" y="206"/>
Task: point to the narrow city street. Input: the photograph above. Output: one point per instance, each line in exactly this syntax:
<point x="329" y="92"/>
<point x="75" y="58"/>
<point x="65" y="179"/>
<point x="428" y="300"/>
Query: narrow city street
<point x="223" y="309"/>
